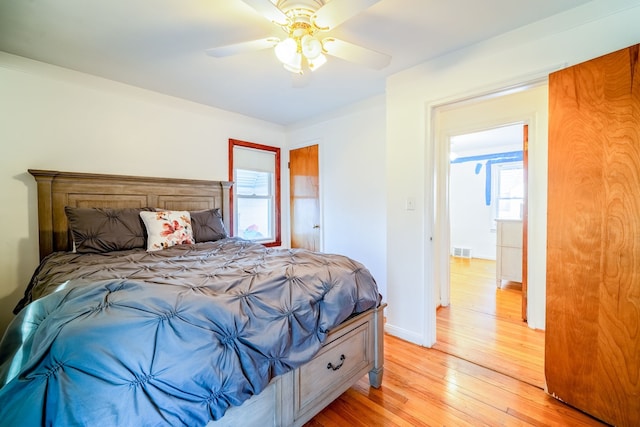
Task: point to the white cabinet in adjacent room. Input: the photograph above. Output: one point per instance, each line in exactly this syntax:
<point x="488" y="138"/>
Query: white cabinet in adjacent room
<point x="508" y="251"/>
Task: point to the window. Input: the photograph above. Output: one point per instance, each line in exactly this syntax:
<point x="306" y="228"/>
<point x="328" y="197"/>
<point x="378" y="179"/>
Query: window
<point x="509" y="187"/>
<point x="255" y="195"/>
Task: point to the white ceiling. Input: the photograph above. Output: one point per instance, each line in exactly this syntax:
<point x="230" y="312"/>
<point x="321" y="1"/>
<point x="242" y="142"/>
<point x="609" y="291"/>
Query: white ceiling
<point x="159" y="45"/>
<point x="488" y="140"/>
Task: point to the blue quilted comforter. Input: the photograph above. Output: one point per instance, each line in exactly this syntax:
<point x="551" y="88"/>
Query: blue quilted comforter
<point x="172" y="337"/>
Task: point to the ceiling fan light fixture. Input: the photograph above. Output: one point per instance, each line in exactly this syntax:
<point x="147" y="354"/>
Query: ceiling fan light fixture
<point x="328" y="43"/>
<point x="286" y="50"/>
<point x="311" y="47"/>
<point x="292" y="50"/>
<point x="304" y="21"/>
<point x="295" y="65"/>
<point x="316" y="62"/>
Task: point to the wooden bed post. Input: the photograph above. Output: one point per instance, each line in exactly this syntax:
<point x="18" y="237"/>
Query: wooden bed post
<point x="226" y="212"/>
<point x="375" y="374"/>
<point x="44" y="180"/>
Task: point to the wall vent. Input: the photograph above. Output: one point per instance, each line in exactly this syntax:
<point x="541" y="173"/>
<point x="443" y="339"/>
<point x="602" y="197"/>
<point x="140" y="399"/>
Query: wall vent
<point x="461" y="252"/>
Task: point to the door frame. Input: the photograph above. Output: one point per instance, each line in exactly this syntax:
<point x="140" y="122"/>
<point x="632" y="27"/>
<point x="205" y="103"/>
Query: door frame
<point x="437" y="246"/>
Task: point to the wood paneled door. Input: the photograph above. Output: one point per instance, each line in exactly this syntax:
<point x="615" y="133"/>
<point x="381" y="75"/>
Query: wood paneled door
<point x="592" y="350"/>
<point x="304" y="198"/>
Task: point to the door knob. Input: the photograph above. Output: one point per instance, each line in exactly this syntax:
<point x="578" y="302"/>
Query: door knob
<point x="316" y="226"/>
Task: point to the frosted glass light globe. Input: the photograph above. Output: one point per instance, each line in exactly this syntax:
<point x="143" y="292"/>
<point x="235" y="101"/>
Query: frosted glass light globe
<point x="311" y="47"/>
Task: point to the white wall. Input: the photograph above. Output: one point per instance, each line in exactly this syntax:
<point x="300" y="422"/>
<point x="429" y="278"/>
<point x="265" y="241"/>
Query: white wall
<point x="351" y="145"/>
<point x="529" y="53"/>
<point x="472" y="221"/>
<point x="470" y="216"/>
<point x="52" y="118"/>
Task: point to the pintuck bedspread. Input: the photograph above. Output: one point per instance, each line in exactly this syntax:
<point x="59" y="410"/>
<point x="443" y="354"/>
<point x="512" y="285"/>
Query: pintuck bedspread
<point x="171" y="337"/>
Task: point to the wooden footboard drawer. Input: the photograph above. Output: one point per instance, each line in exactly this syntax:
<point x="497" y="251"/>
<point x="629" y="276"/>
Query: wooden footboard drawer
<point x="294" y="398"/>
<point x="337" y="362"/>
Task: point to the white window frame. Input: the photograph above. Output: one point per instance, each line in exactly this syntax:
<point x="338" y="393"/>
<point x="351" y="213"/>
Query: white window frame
<point x="495" y="197"/>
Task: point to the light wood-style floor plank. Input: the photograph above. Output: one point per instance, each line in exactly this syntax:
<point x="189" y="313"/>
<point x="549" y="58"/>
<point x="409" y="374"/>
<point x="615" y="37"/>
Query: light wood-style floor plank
<point x="426" y="387"/>
<point x="484" y="325"/>
<point x="434" y="387"/>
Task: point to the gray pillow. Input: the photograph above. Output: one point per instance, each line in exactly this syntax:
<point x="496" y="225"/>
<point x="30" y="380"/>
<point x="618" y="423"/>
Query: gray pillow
<point x="97" y="230"/>
<point x="207" y="225"/>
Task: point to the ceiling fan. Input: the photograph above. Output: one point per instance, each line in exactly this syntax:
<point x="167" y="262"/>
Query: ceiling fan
<point x="307" y="23"/>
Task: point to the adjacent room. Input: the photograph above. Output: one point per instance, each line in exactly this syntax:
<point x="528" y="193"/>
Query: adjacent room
<point x="320" y="212"/>
<point x="486" y="196"/>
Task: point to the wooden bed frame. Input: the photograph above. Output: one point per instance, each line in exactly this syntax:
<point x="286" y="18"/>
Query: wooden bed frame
<point x="351" y="351"/>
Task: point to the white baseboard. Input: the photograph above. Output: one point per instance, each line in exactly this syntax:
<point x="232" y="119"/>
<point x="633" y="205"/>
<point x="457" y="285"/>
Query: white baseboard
<point x="404" y="334"/>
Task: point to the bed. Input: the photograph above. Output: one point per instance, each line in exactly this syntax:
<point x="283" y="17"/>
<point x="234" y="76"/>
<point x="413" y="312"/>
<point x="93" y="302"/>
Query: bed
<point x="210" y="331"/>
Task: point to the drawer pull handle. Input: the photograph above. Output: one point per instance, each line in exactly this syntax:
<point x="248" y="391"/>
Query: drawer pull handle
<point x="338" y="366"/>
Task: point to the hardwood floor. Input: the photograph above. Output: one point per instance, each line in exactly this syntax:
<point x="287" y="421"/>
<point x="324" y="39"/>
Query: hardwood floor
<point x="484" y="325"/>
<point x="430" y="387"/>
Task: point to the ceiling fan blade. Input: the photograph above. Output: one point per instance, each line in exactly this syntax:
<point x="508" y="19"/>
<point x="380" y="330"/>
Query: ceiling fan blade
<point x="269" y="10"/>
<point x="250" y="46"/>
<point x="336" y="12"/>
<point x="354" y="53"/>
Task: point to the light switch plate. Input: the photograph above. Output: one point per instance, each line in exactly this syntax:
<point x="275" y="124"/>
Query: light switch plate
<point x="410" y="204"/>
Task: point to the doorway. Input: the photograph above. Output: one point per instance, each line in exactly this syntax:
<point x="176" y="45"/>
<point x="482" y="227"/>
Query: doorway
<point x="487" y="200"/>
<point x="483" y="322"/>
<point x="521" y="106"/>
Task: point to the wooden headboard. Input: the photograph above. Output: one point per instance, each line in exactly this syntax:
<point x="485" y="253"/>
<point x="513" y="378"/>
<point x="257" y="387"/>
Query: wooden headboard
<point x="59" y="189"/>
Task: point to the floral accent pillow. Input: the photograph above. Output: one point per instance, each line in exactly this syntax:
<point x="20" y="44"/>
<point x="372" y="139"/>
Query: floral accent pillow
<point x="167" y="228"/>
